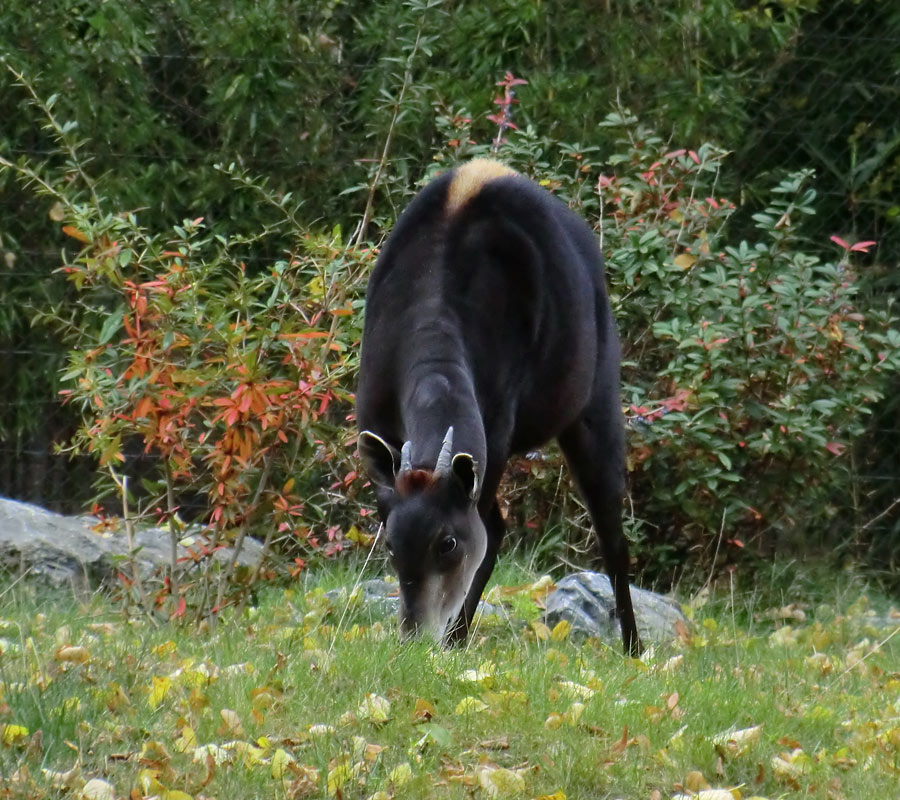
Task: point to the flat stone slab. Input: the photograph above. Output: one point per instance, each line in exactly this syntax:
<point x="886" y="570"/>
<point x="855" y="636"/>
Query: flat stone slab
<point x="62" y="550"/>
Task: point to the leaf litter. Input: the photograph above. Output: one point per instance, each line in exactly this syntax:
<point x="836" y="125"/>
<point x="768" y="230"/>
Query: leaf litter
<point x="146" y="717"/>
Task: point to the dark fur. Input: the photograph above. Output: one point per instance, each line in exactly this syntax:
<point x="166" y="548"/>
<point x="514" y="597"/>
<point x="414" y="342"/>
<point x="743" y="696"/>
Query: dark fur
<point x="496" y="321"/>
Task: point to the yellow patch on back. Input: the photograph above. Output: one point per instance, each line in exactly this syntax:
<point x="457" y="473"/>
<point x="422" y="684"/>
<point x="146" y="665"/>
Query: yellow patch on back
<point x="470" y="177"/>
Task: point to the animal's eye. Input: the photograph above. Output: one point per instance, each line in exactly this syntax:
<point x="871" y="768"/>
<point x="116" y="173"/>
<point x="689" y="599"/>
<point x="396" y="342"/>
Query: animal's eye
<point x="446" y="545"/>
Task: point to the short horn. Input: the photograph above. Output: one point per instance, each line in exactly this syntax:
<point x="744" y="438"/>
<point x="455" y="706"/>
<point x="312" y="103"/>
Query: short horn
<point x="406" y="457"/>
<point x="446" y="454"/>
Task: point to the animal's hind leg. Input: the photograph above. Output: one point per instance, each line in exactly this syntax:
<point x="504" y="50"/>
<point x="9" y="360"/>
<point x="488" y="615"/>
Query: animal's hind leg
<point x="594" y="447"/>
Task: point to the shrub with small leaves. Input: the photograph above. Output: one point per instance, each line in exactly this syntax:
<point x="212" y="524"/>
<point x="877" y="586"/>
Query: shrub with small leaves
<point x="750" y="366"/>
<point x="227" y="378"/>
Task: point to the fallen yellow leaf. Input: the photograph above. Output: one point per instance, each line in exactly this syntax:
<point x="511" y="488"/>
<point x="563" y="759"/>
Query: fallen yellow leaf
<point x="232" y="722"/>
<point x="470" y="704"/>
<point x="13" y="734"/>
<point x="320" y="729"/>
<point x="363" y="750"/>
<point x="695" y="781"/>
<point x="375" y="708"/>
<point x="738" y="742"/>
<point x="96" y="789"/>
<point x="576" y="690"/>
<point x="63" y="780"/>
<point x="165" y="648"/>
<point x="673" y="663"/>
<point x="573" y="713"/>
<point x="106" y="628"/>
<point x="187" y="740"/>
<point x="561" y="631"/>
<point x="337" y="777"/>
<point x="554" y="656"/>
<point x="784" y="637"/>
<point x="359" y="537"/>
<point x="484" y="675"/>
<point x="73" y="654"/>
<point x="281" y="761"/>
<point x="500" y="782"/>
<point x="57" y="212"/>
<point x="790" y="765"/>
<point x="400" y="775"/>
<point x="553" y="721"/>
<point x="505" y="699"/>
<point x="156" y="752"/>
<point x="541" y="587"/>
<point x="159" y="691"/>
<point x="541" y="630"/>
<point x="217" y="754"/>
<point x="148" y="780"/>
<point x="423" y="711"/>
<point x="250" y="754"/>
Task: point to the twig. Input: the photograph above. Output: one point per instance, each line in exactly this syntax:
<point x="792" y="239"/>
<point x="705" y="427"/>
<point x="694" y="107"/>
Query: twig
<point x="884" y="513"/>
<point x="712" y="567"/>
<point x="173" y="533"/>
<point x="503" y="120"/>
<point x="226" y="576"/>
<point x="363" y="227"/>
<point x="874" y="649"/>
<point x="20" y="577"/>
<point x="61" y="134"/>
<point x="122" y="484"/>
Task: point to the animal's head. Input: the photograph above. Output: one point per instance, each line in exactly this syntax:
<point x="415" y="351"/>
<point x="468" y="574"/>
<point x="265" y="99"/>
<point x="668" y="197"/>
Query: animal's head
<point x="434" y="535"/>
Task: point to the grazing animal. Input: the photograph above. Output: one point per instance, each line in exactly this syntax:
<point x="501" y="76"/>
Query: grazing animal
<point x="487" y="332"/>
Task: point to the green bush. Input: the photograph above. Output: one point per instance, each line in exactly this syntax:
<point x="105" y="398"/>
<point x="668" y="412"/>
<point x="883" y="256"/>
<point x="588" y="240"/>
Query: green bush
<point x="766" y="367"/>
<point x="750" y="368"/>
<point x="336" y="101"/>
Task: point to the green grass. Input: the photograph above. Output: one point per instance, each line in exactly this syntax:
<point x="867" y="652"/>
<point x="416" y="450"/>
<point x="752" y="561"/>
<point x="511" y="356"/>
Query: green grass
<point x="299" y="690"/>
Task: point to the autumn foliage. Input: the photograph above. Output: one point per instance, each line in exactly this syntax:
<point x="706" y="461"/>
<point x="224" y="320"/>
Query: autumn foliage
<point x="214" y="379"/>
<point x="214" y="382"/>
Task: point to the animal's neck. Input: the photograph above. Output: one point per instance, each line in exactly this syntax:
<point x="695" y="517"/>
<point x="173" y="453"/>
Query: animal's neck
<point x="440" y="394"/>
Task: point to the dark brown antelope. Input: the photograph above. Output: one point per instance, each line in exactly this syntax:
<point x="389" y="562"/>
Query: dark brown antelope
<point x="488" y="332"/>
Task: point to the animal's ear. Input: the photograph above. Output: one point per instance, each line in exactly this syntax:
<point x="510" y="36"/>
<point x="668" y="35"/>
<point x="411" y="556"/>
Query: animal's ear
<point x="465" y="470"/>
<point x="379" y="459"/>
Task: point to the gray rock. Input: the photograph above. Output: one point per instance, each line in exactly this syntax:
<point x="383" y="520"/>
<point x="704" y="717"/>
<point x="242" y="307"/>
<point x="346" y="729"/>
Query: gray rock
<point x="878" y="622"/>
<point x="64" y="550"/>
<point x="377" y="599"/>
<point x="381" y="597"/>
<point x="585" y="600"/>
